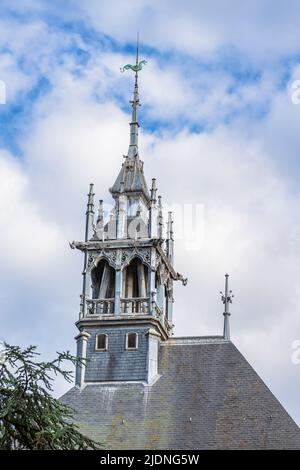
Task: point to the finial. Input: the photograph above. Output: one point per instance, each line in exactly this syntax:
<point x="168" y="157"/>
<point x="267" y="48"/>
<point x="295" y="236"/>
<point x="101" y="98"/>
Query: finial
<point x="91" y="191"/>
<point x="226" y="299"/>
<point x="100" y="213"/>
<point x="153" y="191"/>
<point x="90" y="203"/>
<point x="89" y="221"/>
<point x="160" y="218"/>
<point x="170" y="226"/>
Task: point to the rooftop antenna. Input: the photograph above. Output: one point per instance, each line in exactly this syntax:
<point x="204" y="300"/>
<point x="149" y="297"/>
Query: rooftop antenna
<point x="226" y="299"/>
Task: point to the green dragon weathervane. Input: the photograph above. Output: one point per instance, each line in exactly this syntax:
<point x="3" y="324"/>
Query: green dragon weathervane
<point x="138" y="65"/>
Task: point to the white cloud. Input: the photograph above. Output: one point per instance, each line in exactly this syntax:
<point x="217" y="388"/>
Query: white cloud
<point x="27" y="236"/>
<point x="262" y="30"/>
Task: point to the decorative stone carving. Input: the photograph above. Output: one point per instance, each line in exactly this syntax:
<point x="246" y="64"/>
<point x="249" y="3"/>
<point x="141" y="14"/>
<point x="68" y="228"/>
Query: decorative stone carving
<point x="163" y="273"/>
<point x="184" y="280"/>
<point x="169" y="290"/>
<point x="129" y="254"/>
<point x="91" y="260"/>
<point x="111" y="257"/>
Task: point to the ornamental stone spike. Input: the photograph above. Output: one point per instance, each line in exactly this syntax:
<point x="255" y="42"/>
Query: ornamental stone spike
<point x="89" y="223"/>
<point x="226" y="299"/>
<point x="89" y="213"/>
<point x="91" y="194"/>
<point x="153" y="211"/>
<point x="160" y="218"/>
<point x="153" y="191"/>
<point x="170" y="238"/>
<point x="170" y="226"/>
<point x="100" y="214"/>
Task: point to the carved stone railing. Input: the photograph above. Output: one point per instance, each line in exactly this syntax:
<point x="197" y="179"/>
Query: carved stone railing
<point x="135" y="305"/>
<point x="100" y="306"/>
<point x="131" y="306"/>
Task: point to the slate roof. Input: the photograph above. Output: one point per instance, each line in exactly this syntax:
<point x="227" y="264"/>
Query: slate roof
<point x="207" y="397"/>
<point x="132" y="176"/>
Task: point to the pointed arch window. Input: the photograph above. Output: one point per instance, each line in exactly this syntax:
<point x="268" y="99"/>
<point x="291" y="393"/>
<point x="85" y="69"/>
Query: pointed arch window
<point x="135" y="280"/>
<point x="103" y="281"/>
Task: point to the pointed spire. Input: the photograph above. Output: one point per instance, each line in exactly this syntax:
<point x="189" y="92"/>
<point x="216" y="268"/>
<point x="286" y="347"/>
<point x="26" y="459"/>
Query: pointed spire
<point x="100" y="216"/>
<point x="132" y="173"/>
<point x="160" y="218"/>
<point x="90" y="204"/>
<point x="153" y="191"/>
<point x="89" y="213"/>
<point x="226" y="299"/>
<point x="170" y="238"/>
<point x="170" y="226"/>
<point x="100" y="212"/>
<point x="153" y="211"/>
<point x="135" y="103"/>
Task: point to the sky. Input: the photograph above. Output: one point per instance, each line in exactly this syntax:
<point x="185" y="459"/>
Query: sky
<point x="219" y="130"/>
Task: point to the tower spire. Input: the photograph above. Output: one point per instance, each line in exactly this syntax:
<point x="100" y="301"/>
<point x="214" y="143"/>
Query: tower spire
<point x="226" y="299"/>
<point x="131" y="179"/>
<point x="135" y="103"/>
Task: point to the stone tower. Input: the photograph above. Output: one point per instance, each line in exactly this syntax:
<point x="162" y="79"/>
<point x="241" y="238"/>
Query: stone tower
<point x="127" y="298"/>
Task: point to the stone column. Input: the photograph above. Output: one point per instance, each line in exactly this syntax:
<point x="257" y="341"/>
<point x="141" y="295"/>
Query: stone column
<point x="82" y="340"/>
<point x="152" y="289"/>
<point x="170" y="302"/>
<point x="170" y="310"/>
<point x="86" y="291"/>
<point x="153" y="217"/>
<point x="118" y="291"/>
<point x="161" y="296"/>
<point x="152" y="358"/>
<point x="121" y="216"/>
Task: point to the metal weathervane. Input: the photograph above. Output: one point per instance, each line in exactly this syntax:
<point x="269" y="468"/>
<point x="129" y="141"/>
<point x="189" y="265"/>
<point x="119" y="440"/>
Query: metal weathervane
<point x="135" y="68"/>
<point x="138" y="64"/>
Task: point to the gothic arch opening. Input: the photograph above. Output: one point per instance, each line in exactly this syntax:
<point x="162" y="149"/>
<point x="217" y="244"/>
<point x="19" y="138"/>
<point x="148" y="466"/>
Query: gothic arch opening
<point x="103" y="281"/>
<point x="135" y="280"/>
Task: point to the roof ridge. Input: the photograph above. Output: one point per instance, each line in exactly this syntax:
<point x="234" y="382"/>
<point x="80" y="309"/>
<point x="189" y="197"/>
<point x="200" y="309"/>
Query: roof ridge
<point x="193" y="340"/>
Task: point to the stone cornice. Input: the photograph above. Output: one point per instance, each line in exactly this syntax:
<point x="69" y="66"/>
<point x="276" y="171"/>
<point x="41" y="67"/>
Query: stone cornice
<point x="122" y="320"/>
<point x="107" y="245"/>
